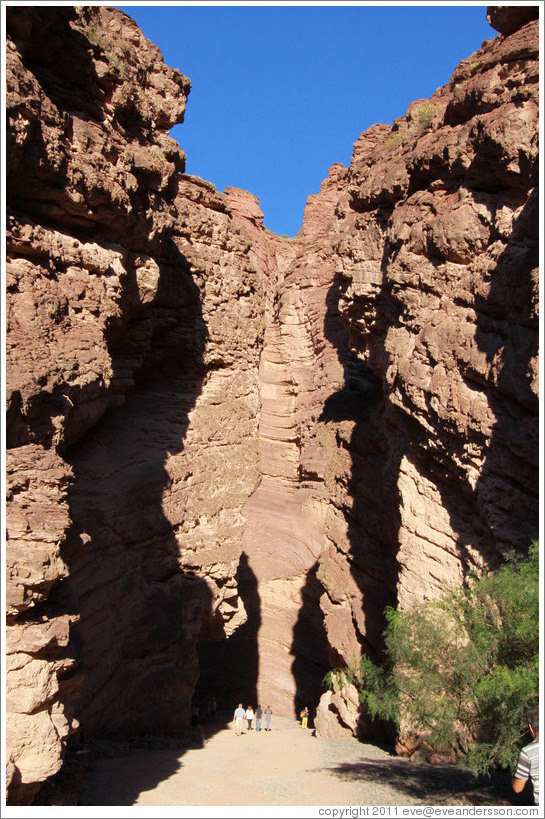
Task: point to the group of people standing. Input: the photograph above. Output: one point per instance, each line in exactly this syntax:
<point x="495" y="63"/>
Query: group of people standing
<point x="248" y="714"/>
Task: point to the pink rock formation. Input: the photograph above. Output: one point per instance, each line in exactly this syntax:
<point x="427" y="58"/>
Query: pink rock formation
<point x="437" y="264"/>
<point x="229" y="451"/>
<point x="119" y="369"/>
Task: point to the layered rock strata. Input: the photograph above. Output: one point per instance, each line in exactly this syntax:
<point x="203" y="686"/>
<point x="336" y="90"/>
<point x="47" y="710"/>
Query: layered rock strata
<point x="400" y="445"/>
<point x="227" y="451"/>
<point x="437" y="256"/>
<point x="132" y="361"/>
<point x="398" y="430"/>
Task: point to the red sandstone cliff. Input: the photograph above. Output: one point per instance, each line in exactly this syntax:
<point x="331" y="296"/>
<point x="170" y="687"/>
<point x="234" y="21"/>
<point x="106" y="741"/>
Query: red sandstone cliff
<point x="135" y="323"/>
<point x="399" y="375"/>
<point x="216" y="433"/>
<point x="437" y="282"/>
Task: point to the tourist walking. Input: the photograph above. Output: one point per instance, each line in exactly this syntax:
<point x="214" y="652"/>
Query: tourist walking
<point x="304" y="717"/>
<point x="238" y="717"/>
<point x="268" y="715"/>
<point x="258" y="716"/>
<point x="249" y="717"/>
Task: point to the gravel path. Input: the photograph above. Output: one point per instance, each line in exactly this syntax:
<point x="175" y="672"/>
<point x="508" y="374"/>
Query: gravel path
<point x="286" y="766"/>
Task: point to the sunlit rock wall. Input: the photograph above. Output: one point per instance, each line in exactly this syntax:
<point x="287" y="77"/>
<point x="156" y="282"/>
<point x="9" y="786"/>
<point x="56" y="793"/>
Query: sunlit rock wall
<point x="135" y="320"/>
<point x="437" y="279"/>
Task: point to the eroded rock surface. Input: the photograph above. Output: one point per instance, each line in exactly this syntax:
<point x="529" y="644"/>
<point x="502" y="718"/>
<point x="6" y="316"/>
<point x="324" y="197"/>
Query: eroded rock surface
<point x="135" y="322"/>
<point x="437" y="283"/>
<point x="232" y="449"/>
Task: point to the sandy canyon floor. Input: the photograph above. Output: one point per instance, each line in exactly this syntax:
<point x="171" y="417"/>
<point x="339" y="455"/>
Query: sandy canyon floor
<point x="286" y="766"/>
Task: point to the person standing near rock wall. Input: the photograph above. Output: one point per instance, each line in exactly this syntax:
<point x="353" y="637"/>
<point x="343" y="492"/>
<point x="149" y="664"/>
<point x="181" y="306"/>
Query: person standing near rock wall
<point x="268" y="715"/>
<point x="238" y="717"/>
<point x="304" y="717"/>
<point x="249" y="717"/>
<point x="258" y="716"/>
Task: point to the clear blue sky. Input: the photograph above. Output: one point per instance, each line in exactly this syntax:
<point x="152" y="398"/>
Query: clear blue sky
<point x="280" y="93"/>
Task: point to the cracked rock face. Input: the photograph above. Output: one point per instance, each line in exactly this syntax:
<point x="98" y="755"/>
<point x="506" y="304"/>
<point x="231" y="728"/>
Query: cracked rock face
<point x="135" y="320"/>
<point x="437" y="255"/>
<point x="228" y="452"/>
<point x="398" y="430"/>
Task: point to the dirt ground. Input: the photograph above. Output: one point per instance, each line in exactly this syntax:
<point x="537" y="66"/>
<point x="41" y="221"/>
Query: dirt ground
<point x="286" y="766"/>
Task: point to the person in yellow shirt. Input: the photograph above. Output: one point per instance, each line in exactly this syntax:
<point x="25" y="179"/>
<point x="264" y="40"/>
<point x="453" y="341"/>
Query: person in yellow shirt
<point x="304" y="717"/>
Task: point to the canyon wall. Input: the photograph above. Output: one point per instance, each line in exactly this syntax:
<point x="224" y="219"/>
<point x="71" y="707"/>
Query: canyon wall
<point x="135" y="323"/>
<point x="437" y="281"/>
<point x="399" y="378"/>
<point x="227" y="452"/>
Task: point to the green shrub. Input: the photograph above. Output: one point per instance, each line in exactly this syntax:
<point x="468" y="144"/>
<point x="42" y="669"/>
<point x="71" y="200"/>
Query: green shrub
<point x="395" y="140"/>
<point x="424" y="115"/>
<point x="464" y="670"/>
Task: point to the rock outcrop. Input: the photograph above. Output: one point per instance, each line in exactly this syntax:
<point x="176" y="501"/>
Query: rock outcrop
<point x="129" y="345"/>
<point x="228" y="452"/>
<point x="437" y="257"/>
<point x="399" y="376"/>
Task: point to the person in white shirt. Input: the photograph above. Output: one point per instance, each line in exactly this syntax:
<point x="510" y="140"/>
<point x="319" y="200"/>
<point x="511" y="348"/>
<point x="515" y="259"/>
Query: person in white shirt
<point x="238" y="717"/>
<point x="249" y="717"/>
<point x="528" y="763"/>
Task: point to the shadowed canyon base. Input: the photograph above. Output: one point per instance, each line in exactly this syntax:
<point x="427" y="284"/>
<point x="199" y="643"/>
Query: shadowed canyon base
<point x="287" y="766"/>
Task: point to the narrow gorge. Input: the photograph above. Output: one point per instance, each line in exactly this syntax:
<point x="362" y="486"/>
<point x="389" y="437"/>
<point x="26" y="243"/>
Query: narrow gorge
<point x="228" y="451"/>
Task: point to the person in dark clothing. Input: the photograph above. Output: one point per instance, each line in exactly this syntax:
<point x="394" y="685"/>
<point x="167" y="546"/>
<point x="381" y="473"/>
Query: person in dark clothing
<point x="258" y="716"/>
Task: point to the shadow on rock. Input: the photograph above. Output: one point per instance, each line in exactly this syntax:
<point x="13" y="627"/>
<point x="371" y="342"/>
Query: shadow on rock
<point x="309" y="647"/>
<point x="229" y="668"/>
